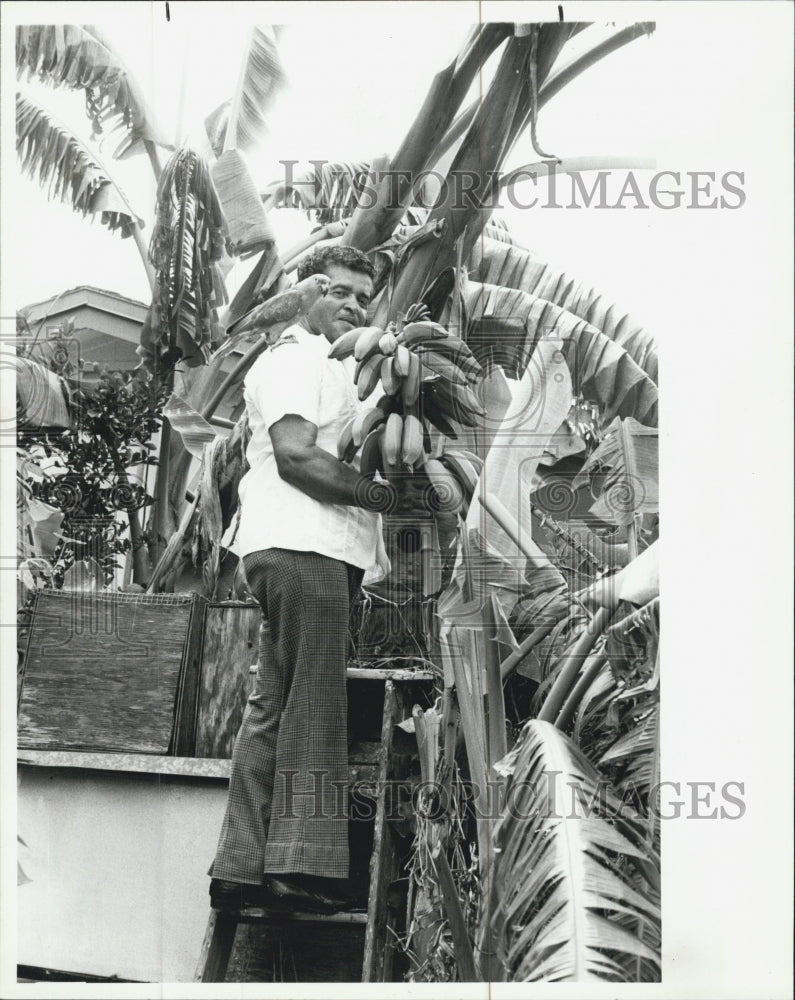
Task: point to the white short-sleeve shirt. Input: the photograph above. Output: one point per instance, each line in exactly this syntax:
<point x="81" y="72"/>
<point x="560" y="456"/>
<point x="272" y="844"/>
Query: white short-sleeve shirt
<point x="295" y="375"/>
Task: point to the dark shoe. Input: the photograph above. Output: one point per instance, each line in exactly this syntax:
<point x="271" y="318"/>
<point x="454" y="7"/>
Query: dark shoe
<point x="225" y="895"/>
<point x="287" y="895"/>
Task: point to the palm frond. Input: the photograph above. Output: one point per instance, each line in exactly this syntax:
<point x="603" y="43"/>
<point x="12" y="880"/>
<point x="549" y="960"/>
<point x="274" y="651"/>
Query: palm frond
<point x="187" y="240"/>
<point x="506" y="325"/>
<point x="567" y="855"/>
<point x="496" y="262"/>
<point x="241" y="122"/>
<point x="68" y="170"/>
<point x="81" y="58"/>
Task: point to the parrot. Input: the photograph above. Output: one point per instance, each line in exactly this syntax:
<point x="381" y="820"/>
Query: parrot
<point x="276" y="314"/>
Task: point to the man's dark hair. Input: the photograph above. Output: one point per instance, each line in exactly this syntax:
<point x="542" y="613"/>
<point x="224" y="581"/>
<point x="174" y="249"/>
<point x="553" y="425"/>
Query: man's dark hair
<point x="317" y="261"/>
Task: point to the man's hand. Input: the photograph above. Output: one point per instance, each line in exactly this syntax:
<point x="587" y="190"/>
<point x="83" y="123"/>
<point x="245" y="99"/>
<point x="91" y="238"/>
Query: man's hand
<point x="414" y="496"/>
<point x="320" y="475"/>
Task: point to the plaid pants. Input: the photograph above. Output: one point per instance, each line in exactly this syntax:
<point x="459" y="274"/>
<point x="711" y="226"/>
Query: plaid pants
<point x="287" y="809"/>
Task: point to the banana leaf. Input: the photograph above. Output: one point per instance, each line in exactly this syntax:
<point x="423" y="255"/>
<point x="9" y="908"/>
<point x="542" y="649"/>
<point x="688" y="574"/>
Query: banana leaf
<point x="628" y="454"/>
<point x="494" y="262"/>
<point x="540" y="401"/>
<point x="329" y="190"/>
<point x="371" y="226"/>
<point x="41" y="397"/>
<point x="500" y="118"/>
<point x="68" y="170"/>
<point x="241" y="122"/>
<point x="227" y="458"/>
<point x="488" y="141"/>
<point x="41" y="524"/>
<point x="632" y="645"/>
<point x="509" y="323"/>
<point x="192" y="428"/>
<point x="568" y="855"/>
<point x="638" y="582"/>
<point x="81" y="58"/>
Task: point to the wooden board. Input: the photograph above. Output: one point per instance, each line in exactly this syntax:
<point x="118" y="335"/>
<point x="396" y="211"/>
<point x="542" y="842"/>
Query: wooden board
<point x="127" y="763"/>
<point x="216" y="948"/>
<point x="229" y="648"/>
<point x="107" y="671"/>
<point x="373" y="970"/>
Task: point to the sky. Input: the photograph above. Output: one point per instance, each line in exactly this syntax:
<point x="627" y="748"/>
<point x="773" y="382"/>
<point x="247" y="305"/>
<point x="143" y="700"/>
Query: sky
<point x="348" y="99"/>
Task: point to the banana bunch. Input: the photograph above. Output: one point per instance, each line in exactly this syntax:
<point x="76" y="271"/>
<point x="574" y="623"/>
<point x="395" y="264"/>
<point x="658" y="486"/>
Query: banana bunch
<point x="428" y="378"/>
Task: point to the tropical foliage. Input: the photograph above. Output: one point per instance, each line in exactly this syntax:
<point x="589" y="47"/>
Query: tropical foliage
<point x="79" y="496"/>
<point x="543" y="621"/>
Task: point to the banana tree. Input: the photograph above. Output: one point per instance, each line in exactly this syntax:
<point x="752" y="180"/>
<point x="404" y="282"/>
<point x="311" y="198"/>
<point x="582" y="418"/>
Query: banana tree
<point x="491" y="290"/>
<point x="190" y="230"/>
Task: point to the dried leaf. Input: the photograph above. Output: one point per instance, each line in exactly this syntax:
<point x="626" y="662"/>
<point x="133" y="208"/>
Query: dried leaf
<point x="68" y="170"/>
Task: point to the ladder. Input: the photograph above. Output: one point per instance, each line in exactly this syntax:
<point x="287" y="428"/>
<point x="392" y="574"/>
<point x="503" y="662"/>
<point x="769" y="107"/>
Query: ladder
<point x="400" y="692"/>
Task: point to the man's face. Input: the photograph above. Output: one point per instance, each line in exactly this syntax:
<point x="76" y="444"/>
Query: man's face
<point x="344" y="306"/>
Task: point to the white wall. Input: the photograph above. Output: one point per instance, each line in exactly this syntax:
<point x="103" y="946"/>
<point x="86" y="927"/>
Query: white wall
<point x="118" y="865"/>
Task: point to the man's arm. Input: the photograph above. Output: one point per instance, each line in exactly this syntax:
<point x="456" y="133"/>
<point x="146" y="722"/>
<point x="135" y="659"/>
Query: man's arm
<point x="320" y="475"/>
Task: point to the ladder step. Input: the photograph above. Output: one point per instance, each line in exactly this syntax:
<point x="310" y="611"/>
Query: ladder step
<point x="259" y="915"/>
<point x="388" y="674"/>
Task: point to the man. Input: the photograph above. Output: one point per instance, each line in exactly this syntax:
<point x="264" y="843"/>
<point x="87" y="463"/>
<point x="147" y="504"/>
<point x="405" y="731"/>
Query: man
<point x="308" y="530"/>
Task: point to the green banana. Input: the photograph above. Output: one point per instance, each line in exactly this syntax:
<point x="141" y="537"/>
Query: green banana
<point x="387" y="345"/>
<point x="393" y="438"/>
<point x="457" y="402"/>
<point x="438" y="399"/>
<point x="433" y="413"/>
<point x="370" y="458"/>
<point x="411" y="447"/>
<point x="470" y="456"/>
<point x="367" y="343"/>
<point x="343" y="346"/>
<point x="462" y="469"/>
<point x="387" y="404"/>
<point x="390" y="381"/>
<point x="415" y="333"/>
<point x="367" y="375"/>
<point x="411" y="385"/>
<point x="457" y="352"/>
<point x="402" y="361"/>
<point x="416" y="312"/>
<point x="365" y="421"/>
<point x="443" y="366"/>
<point x="386" y="467"/>
<point x="449" y="494"/>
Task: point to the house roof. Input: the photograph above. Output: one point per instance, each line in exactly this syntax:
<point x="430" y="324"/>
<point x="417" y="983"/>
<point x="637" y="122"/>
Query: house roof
<point x="99" y="298"/>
